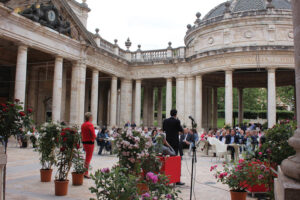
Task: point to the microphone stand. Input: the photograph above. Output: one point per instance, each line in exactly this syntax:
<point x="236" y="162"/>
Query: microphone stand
<point x="194" y="159"/>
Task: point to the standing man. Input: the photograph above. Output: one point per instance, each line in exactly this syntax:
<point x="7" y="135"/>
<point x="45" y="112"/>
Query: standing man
<point x="88" y="139"/>
<point x="172" y="127"/>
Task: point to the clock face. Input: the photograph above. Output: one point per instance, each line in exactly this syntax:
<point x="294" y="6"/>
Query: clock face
<point x="51" y="15"/>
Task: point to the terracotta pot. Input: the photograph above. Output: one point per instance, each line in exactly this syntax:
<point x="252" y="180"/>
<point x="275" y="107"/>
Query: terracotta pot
<point x="142" y="188"/>
<point x="61" y="187"/>
<point x="238" y="195"/>
<point x="46" y="175"/>
<point x="77" y="179"/>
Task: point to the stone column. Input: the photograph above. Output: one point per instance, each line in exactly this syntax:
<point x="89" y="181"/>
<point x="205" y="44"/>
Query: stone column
<point x="21" y="70"/>
<point x="63" y="116"/>
<point x="241" y="106"/>
<point x="209" y="107"/>
<point x="228" y="98"/>
<point x="291" y="166"/>
<point x="151" y="107"/>
<point x="271" y="98"/>
<point x="126" y="101"/>
<point x="77" y="93"/>
<point x="33" y="82"/>
<point x="138" y="95"/>
<point x="205" y="108"/>
<point x="57" y="89"/>
<point x="198" y="102"/>
<point x="94" y="95"/>
<point x="168" y="97"/>
<point x="180" y="98"/>
<point x="145" y="106"/>
<point x="159" y="107"/>
<point x="190" y="100"/>
<point x="113" y="101"/>
<point x="215" y="107"/>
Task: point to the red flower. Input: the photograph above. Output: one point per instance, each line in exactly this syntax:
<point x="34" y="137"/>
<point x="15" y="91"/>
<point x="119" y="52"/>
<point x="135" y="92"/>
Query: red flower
<point x="22" y="114"/>
<point x="78" y="146"/>
<point x="62" y="133"/>
<point x="17" y="100"/>
<point x="4" y="110"/>
<point x="62" y="149"/>
<point x="29" y="110"/>
<point x="12" y="105"/>
<point x="65" y="139"/>
<point x="3" y="105"/>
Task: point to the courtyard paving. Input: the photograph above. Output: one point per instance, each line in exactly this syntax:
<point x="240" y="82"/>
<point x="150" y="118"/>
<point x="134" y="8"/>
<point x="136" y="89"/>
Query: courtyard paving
<point x="23" y="179"/>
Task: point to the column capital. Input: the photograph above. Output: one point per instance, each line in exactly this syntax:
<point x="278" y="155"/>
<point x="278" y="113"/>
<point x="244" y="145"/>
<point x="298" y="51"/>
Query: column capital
<point x="271" y="69"/>
<point x="58" y="58"/>
<point x="95" y="71"/>
<point x="229" y="71"/>
<point x="114" y="78"/>
<point x="180" y="78"/>
<point x="199" y="76"/>
<point x="190" y="77"/>
<point x="22" y="47"/>
<point x="168" y="77"/>
<point x="138" y="80"/>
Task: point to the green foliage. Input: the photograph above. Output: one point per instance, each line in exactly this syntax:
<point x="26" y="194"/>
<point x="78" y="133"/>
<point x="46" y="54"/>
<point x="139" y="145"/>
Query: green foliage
<point x="276" y="147"/>
<point x="69" y="140"/>
<point x="14" y="120"/>
<point x="286" y="95"/>
<point x="239" y="176"/>
<point x="254" y="114"/>
<point x="117" y="184"/>
<point x="79" y="162"/>
<point x="47" y="142"/>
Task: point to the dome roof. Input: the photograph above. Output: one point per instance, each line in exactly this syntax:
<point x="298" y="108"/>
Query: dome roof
<point x="247" y="5"/>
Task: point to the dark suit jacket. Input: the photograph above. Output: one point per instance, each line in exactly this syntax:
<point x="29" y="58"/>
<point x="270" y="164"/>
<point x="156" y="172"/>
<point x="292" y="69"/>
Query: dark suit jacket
<point x="228" y="139"/>
<point x="172" y="127"/>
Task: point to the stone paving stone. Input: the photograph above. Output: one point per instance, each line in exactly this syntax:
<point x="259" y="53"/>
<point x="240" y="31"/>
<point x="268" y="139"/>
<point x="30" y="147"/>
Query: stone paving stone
<point x="23" y="180"/>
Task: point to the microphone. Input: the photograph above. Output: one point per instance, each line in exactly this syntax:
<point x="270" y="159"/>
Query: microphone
<point x="191" y="118"/>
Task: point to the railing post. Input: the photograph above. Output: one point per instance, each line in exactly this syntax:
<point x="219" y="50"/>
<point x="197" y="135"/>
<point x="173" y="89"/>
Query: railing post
<point x="97" y="38"/>
<point x="169" y="51"/>
<point x="139" y="54"/>
<point x="116" y="47"/>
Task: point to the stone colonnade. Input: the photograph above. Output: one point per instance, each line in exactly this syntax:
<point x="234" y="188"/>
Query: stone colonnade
<point x="193" y="98"/>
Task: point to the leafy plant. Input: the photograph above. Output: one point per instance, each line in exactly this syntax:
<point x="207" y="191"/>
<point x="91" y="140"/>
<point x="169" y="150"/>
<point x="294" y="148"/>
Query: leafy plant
<point x="14" y="120"/>
<point x="47" y="142"/>
<point x="240" y="176"/>
<point x="132" y="146"/>
<point x="115" y="184"/>
<point x="276" y="147"/>
<point x="78" y="161"/>
<point x="69" y="140"/>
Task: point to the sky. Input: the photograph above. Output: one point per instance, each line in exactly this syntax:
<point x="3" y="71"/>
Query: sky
<point x="150" y="23"/>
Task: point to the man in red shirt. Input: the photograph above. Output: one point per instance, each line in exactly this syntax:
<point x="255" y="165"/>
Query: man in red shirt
<point x="88" y="137"/>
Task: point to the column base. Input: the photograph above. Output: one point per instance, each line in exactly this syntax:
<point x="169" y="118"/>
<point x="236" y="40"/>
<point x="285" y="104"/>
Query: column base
<point x="286" y="188"/>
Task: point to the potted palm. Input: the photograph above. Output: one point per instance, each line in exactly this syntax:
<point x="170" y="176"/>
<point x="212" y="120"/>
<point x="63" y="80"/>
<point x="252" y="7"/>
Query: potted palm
<point x="79" y="167"/>
<point x="47" y="143"/>
<point x="68" y="140"/>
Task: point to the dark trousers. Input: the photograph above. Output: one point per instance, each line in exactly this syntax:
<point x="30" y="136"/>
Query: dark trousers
<point x="182" y="145"/>
<point x="231" y="149"/>
<point x="104" y="144"/>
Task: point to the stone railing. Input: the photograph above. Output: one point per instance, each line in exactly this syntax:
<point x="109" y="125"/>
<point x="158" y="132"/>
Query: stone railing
<point x="143" y="56"/>
<point x="107" y="45"/>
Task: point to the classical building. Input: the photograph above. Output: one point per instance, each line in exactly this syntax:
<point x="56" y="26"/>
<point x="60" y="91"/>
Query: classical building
<point x="50" y="61"/>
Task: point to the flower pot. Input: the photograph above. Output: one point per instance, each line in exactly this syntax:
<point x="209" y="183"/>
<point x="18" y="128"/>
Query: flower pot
<point x="238" y="195"/>
<point x="77" y="179"/>
<point x="142" y="188"/>
<point x="61" y="187"/>
<point x="46" y="175"/>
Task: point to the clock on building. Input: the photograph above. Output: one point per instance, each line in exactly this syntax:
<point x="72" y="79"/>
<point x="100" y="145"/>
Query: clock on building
<point x="51" y="16"/>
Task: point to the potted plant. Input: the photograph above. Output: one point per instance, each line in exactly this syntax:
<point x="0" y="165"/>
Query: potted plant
<point x="79" y="168"/>
<point x="239" y="177"/>
<point x="47" y="142"/>
<point x="68" y="141"/>
<point x="14" y="121"/>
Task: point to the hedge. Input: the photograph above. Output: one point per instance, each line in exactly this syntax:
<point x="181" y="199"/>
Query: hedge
<point x="254" y="114"/>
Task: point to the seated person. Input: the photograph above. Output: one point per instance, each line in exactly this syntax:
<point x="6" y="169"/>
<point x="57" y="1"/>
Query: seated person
<point x="102" y="142"/>
<point x="192" y="139"/>
<point x="183" y="143"/>
<point x="232" y="138"/>
<point x="222" y="138"/>
<point x="162" y="146"/>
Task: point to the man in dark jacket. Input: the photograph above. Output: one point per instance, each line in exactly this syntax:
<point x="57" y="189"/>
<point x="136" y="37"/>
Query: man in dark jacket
<point x="232" y="138"/>
<point x="172" y="127"/>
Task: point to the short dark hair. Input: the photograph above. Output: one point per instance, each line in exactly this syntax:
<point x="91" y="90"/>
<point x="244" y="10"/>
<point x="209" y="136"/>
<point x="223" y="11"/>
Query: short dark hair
<point x="87" y="116"/>
<point x="173" y="112"/>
